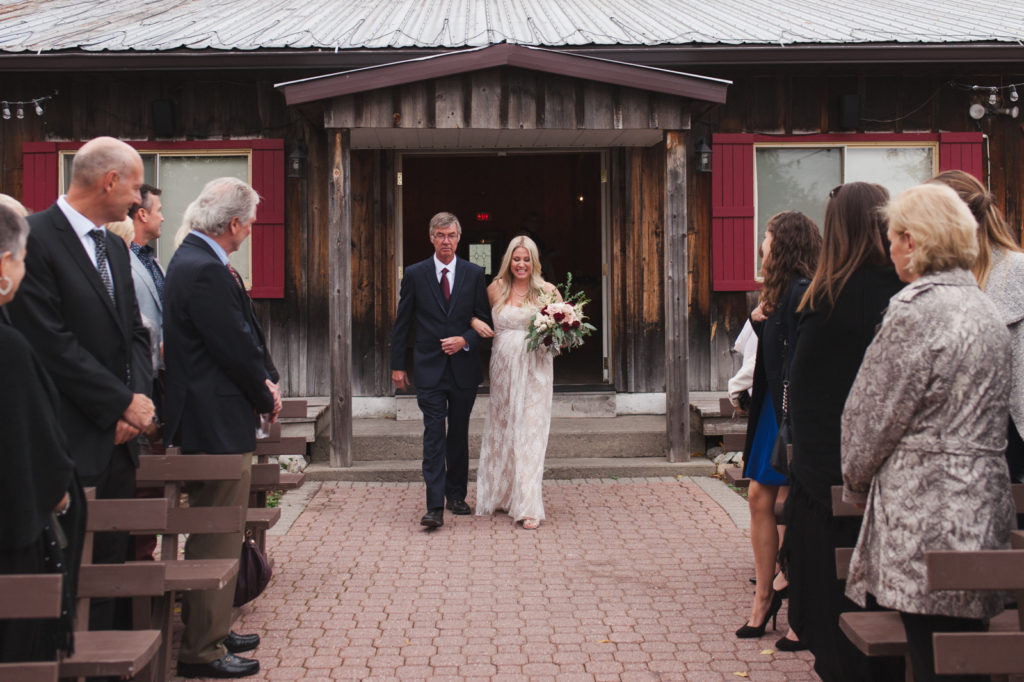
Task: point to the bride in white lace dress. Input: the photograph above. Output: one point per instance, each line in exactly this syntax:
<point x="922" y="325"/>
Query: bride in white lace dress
<point x="516" y="431"/>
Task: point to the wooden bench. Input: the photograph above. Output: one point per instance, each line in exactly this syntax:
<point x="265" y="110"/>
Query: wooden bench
<point x="116" y="653"/>
<point x="881" y="633"/>
<point x="172" y="471"/>
<point x="711" y="418"/>
<point x="1000" y="651"/>
<point x="30" y="596"/>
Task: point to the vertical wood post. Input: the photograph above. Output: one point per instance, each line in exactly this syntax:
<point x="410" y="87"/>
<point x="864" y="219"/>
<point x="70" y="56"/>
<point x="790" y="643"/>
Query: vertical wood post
<point x="340" y="304"/>
<point x="677" y="394"/>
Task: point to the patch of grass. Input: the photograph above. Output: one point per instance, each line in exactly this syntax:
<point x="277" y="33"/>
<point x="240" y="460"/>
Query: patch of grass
<point x="274" y="498"/>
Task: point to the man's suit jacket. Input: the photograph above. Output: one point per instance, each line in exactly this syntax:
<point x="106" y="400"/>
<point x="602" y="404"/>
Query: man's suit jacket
<point x="216" y="370"/>
<point x="149" y="306"/>
<point x="421" y="299"/>
<point x="85" y="342"/>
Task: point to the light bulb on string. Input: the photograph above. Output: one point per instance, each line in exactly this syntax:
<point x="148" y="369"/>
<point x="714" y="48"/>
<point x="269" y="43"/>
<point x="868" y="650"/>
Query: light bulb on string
<point x="1013" y="94"/>
<point x="20" y="113"/>
<point x="38" y="106"/>
<point x="5" y="111"/>
<point x="992" y="99"/>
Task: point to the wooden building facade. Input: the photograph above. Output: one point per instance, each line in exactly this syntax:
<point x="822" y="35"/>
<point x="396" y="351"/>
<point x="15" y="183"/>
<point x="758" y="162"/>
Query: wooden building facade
<point x="648" y="230"/>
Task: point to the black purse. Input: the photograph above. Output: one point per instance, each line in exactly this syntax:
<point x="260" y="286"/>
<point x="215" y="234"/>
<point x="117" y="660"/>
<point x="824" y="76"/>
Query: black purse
<point x="254" y="572"/>
<point x="782" y="451"/>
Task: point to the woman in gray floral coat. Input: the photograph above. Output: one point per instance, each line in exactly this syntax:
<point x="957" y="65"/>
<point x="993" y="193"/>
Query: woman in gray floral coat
<point x="924" y="428"/>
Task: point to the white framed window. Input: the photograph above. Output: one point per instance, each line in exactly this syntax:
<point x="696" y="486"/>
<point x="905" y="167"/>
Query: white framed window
<point x="795" y="176"/>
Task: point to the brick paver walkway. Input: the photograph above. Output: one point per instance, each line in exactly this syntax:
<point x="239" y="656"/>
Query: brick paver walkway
<point x="626" y="580"/>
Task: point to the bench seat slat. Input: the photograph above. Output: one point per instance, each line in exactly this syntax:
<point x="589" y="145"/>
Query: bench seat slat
<point x="29" y="672"/>
<point x="293" y="407"/>
<point x="875" y="633"/>
<point x="734" y="477"/>
<point x="205" y="520"/>
<point x="262" y="519"/>
<point x="982" y="570"/>
<point x="199" y="574"/>
<point x="126" y="515"/>
<point x="154" y="470"/>
<point x="131" y="579"/>
<point x="30" y="596"/>
<point x="979" y="653"/>
<point x="291" y="445"/>
<point x="110" y="653"/>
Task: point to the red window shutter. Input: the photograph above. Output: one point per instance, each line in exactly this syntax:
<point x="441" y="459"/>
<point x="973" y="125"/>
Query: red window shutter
<point x="732" y="213"/>
<point x="961" y="151"/>
<point x="268" y="231"/>
<point x="39" y="175"/>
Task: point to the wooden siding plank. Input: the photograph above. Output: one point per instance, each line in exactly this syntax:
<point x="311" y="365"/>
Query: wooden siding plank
<point x="485" y="99"/>
<point x="449" y="104"/>
<point x="522" y="99"/>
<point x="415" y="106"/>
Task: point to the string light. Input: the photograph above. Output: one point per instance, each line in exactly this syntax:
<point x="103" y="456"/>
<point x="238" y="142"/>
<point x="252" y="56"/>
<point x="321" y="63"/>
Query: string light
<point x="1013" y="94"/>
<point x="19" y="107"/>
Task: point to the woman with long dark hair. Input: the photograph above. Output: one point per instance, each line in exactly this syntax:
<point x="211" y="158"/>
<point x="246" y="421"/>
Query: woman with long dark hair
<point x="789" y="255"/>
<point x="839" y="313"/>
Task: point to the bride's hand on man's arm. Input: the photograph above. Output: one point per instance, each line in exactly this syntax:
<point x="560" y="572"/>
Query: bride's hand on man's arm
<point x="482" y="329"/>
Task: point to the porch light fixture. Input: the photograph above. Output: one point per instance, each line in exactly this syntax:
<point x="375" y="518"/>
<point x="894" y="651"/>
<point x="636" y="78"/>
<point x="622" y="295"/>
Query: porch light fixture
<point x="297" y="160"/>
<point x="703" y="156"/>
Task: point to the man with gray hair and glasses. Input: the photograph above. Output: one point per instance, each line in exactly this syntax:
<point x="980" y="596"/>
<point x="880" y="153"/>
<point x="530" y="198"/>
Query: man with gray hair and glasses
<point x="217" y="385"/>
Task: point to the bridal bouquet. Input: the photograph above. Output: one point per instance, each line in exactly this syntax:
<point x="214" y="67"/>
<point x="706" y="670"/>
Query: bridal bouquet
<point x="560" y="325"/>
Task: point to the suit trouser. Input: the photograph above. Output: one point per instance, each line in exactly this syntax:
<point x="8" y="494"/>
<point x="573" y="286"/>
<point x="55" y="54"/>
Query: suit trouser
<point x="207" y="613"/>
<point x="117" y="481"/>
<point x="445" y="454"/>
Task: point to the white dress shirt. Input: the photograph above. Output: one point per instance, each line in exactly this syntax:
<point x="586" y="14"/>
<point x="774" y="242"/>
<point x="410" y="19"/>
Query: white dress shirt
<point x="82" y="227"/>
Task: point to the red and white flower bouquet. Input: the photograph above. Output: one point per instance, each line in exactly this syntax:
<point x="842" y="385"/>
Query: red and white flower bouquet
<point x="560" y="325"/>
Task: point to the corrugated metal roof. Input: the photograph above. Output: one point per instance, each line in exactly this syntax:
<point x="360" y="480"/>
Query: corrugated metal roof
<point x="160" y="25"/>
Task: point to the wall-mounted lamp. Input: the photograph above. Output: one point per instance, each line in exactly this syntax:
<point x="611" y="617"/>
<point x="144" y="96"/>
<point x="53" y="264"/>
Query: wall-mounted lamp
<point x="297" y="160"/>
<point x="703" y="156"/>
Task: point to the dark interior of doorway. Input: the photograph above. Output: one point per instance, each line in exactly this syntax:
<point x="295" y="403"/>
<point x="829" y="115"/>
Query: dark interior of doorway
<point x="554" y="198"/>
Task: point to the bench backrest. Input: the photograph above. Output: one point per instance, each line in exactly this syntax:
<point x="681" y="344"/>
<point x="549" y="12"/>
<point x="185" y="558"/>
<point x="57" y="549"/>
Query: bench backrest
<point x="30" y="596"/>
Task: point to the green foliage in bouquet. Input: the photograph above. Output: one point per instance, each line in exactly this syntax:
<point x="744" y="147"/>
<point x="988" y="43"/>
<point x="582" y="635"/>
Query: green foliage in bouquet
<point x="559" y="326"/>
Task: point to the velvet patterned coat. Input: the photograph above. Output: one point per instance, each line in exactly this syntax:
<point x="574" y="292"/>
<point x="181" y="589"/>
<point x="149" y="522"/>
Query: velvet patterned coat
<point x="923" y="435"/>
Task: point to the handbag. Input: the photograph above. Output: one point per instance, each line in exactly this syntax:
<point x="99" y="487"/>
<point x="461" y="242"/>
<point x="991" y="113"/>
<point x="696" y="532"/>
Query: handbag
<point x="782" y="451"/>
<point x="253" y="572"/>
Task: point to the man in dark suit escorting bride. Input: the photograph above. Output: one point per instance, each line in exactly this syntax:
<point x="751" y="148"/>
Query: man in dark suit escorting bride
<point x="442" y="294"/>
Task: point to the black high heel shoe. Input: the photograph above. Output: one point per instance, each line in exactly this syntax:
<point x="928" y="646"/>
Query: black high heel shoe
<point x="751" y="631"/>
<point x="786" y="644"/>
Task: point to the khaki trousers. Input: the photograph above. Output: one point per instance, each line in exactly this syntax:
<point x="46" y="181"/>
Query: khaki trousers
<point x="207" y="613"/>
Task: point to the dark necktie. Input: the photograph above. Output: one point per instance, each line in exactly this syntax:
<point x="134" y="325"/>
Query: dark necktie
<point x="445" y="287"/>
<point x="101" y="261"/>
<point x="238" y="279"/>
<point x="145" y="255"/>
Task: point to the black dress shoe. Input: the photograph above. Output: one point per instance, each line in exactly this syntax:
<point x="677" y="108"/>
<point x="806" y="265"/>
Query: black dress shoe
<point x="433" y="518"/>
<point x="459" y="507"/>
<point x="236" y="643"/>
<point x="228" y="667"/>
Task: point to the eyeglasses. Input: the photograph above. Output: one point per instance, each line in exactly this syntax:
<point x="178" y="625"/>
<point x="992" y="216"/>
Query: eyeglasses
<point x="446" y="237"/>
<point x="834" y="192"/>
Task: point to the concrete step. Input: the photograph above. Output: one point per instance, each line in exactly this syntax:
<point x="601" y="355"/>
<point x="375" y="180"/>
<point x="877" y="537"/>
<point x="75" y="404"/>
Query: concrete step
<point x="554" y="468"/>
<point x="568" y="404"/>
<point x="569" y="437"/>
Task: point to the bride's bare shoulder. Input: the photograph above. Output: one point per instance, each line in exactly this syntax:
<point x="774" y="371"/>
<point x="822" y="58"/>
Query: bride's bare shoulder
<point x="551" y="288"/>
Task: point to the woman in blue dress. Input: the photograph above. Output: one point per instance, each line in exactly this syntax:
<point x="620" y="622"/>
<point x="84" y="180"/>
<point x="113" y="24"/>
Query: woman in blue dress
<point x="789" y="256"/>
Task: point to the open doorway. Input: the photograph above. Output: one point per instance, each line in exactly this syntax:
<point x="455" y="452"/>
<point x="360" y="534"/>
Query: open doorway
<point x="553" y="198"/>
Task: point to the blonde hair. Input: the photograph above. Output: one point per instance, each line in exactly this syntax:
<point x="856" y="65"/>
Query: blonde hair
<point x="125" y="229"/>
<point x="992" y="228"/>
<point x="504" y="277"/>
<point x="944" y="231"/>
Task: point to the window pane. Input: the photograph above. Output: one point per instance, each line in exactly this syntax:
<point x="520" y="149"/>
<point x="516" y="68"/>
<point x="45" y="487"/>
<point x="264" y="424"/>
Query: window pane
<point x="794" y="179"/>
<point x="895" y="168"/>
<point x="182" y="178"/>
<point x="148" y="168"/>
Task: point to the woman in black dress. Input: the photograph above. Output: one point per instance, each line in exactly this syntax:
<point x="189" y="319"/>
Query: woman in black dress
<point x="840" y="311"/>
<point x="42" y="509"/>
<point x="789" y="255"/>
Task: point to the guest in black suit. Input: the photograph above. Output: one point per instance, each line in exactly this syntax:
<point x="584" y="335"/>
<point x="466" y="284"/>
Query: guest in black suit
<point x="442" y="294"/>
<point x="217" y="384"/>
<point x="77" y="309"/>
